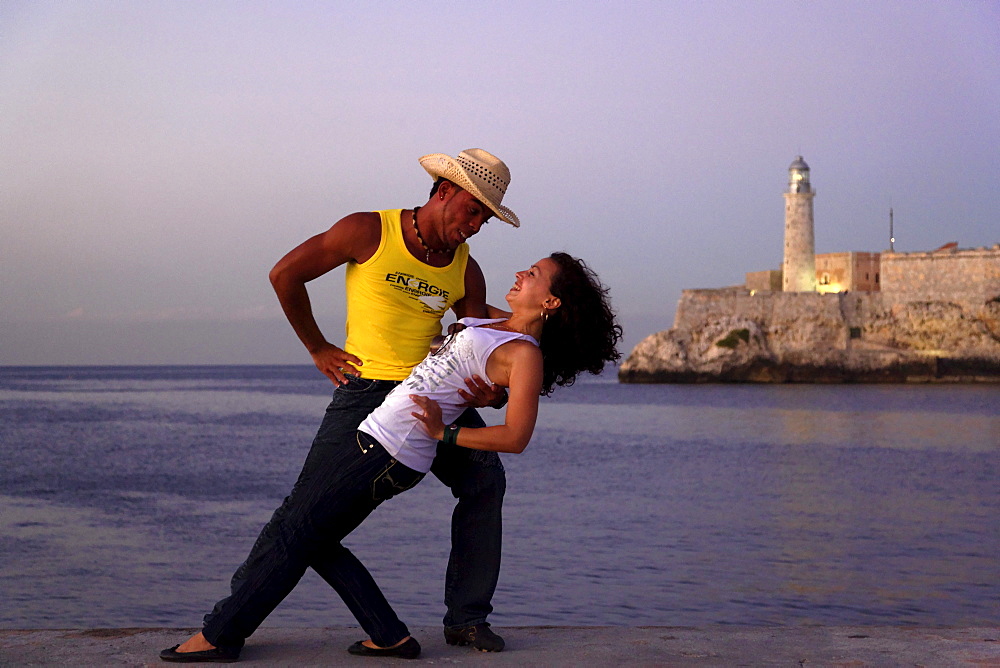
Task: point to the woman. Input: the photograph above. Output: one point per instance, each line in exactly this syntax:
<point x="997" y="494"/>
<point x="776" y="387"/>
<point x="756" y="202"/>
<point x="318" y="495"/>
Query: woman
<point x="559" y="325"/>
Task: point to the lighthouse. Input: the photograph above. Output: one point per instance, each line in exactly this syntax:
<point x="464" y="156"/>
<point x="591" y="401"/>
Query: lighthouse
<point x="799" y="268"/>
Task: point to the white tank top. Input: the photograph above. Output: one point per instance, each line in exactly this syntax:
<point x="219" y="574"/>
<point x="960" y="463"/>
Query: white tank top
<point x="440" y="376"/>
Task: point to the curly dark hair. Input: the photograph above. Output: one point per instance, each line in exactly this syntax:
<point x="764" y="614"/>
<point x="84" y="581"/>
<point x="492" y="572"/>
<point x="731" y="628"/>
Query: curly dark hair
<point x="582" y="334"/>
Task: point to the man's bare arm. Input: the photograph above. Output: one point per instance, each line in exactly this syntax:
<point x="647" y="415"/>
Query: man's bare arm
<point x="349" y="239"/>
<point x="473" y="305"/>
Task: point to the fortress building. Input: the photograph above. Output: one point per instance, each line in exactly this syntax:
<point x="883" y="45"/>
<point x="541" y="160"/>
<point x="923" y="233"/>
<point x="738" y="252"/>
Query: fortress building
<point x="799" y="267"/>
<point x="855" y="316"/>
<point x="851" y="270"/>
<point x="949" y="272"/>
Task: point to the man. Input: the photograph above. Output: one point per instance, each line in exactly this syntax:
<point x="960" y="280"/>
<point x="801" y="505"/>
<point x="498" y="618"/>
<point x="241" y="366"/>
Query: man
<point x="405" y="269"/>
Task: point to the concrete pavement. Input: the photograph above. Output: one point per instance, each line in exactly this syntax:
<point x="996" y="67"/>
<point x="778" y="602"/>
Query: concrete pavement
<point x="541" y="646"/>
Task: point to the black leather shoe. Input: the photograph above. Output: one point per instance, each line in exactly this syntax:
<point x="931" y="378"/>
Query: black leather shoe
<point x="217" y="655"/>
<point x="408" y="650"/>
<point x="479" y="636"/>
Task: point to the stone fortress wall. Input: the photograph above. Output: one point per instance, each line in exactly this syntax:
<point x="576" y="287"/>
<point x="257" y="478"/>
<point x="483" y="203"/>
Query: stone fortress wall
<point x="962" y="282"/>
<point x="968" y="276"/>
<point x="936" y="319"/>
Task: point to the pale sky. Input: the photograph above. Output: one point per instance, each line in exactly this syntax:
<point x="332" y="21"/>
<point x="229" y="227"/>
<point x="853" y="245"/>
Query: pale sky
<point x="157" y="158"/>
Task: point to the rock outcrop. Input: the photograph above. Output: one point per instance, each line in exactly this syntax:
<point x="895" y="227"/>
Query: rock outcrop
<point x="733" y="335"/>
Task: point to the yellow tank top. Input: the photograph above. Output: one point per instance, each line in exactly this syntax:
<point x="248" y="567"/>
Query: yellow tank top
<point x="395" y="303"/>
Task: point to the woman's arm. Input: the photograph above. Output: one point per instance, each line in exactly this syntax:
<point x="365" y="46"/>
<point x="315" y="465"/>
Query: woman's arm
<point x="524" y="378"/>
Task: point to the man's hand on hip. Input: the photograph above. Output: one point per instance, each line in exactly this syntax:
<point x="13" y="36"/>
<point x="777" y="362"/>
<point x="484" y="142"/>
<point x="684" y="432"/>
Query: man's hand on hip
<point x="335" y="363"/>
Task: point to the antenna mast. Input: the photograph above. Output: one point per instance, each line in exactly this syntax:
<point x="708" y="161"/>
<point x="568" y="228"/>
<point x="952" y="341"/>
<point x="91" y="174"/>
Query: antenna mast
<point x="892" y="238"/>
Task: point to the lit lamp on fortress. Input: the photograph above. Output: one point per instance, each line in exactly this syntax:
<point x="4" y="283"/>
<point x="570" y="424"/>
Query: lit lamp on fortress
<point x="799" y="267"/>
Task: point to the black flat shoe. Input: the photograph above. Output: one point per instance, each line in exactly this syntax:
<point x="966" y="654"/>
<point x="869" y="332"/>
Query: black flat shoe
<point x="217" y="655"/>
<point x="408" y="650"/>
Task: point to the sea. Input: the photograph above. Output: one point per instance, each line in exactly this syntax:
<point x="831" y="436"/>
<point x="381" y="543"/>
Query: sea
<point x="128" y="495"/>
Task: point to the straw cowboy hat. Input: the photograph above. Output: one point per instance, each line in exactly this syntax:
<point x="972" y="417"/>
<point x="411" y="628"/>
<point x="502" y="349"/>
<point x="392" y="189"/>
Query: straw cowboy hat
<point x="481" y="174"/>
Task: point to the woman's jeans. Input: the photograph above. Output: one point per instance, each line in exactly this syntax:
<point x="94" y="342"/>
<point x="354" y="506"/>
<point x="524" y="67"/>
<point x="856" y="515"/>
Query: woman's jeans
<point x="345" y="477"/>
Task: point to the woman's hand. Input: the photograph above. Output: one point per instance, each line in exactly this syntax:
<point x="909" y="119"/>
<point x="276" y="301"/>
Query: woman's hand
<point x="430" y="416"/>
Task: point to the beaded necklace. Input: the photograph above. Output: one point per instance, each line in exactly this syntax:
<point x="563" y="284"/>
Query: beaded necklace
<point x="423" y="243"/>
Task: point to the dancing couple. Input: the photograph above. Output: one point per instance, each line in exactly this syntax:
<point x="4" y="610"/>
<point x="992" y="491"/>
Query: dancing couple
<point x="398" y="412"/>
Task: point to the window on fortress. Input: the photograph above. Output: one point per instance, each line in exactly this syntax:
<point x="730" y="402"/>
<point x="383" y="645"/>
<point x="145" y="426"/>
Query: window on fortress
<point x="824" y="279"/>
<point x="876" y="277"/>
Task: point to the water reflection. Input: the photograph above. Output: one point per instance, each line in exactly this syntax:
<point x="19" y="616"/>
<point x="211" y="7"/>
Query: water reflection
<point x="776" y="426"/>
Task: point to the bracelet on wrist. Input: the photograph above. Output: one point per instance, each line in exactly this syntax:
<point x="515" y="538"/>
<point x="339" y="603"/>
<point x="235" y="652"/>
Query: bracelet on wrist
<point x="451" y="434"/>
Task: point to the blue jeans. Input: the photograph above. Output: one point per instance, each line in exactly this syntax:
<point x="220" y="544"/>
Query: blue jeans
<point x="476" y="479"/>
